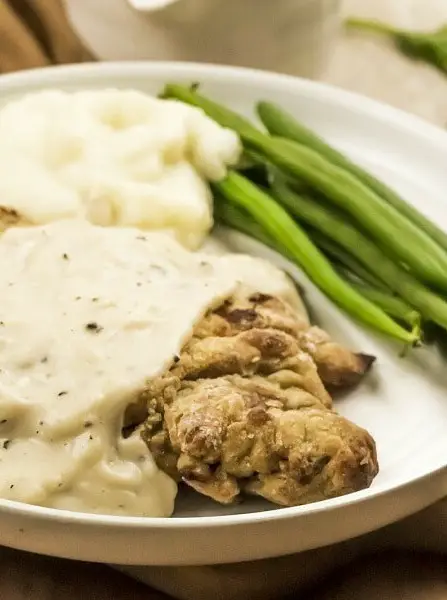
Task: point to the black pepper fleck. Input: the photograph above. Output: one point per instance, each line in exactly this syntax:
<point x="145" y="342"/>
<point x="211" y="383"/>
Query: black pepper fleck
<point x="90" y="437"/>
<point x="139" y="284"/>
<point x="78" y="298"/>
<point x="88" y="424"/>
<point x="63" y="393"/>
<point x="92" y="326"/>
<point x="11" y="486"/>
<point x="2" y="323"/>
<point x="95" y="299"/>
<point x="41" y="423"/>
<point x="21" y="530"/>
<point x="3" y="421"/>
<point x="44" y="359"/>
<point x="176" y="358"/>
<point x="6" y="444"/>
<point x="65" y="256"/>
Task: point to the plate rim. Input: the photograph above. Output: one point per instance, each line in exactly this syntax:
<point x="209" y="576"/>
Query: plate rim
<point x="29" y="80"/>
<point x="215" y="72"/>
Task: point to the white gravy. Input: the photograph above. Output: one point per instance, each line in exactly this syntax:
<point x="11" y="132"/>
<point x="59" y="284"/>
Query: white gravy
<point x="87" y="316"/>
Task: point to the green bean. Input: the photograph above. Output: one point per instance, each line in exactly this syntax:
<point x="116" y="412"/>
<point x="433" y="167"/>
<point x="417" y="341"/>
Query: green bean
<point x="232" y="216"/>
<point x="236" y="218"/>
<point x="333" y="224"/>
<point x="284" y="231"/>
<point x="280" y="123"/>
<point x="392" y="305"/>
<point x="395" y="232"/>
<point x="364" y="281"/>
<point x="340" y="255"/>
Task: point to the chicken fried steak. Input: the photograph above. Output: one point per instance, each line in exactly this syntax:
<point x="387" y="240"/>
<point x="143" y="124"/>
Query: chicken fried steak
<point x="337" y="366"/>
<point x="244" y="409"/>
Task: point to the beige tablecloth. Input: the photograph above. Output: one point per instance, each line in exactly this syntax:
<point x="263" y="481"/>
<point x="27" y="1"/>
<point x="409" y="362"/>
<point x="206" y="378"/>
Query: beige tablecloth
<point x="389" y="576"/>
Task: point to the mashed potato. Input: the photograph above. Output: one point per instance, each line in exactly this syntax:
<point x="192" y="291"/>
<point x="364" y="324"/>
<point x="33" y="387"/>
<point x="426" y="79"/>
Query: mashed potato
<point x="113" y="157"/>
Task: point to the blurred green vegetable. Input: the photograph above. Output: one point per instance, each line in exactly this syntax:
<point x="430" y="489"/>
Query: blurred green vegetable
<point x="430" y="47"/>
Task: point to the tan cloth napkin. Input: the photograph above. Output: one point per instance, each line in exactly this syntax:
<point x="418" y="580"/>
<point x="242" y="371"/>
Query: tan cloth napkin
<point x="37" y="33"/>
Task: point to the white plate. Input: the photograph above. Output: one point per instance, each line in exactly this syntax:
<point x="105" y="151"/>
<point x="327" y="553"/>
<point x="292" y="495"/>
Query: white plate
<point x="404" y="404"/>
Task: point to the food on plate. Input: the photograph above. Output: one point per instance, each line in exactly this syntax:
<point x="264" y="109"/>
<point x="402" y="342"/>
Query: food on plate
<point x="365" y="282"/>
<point x="243" y="409"/>
<point x="338" y="367"/>
<point x="114" y="157"/>
<point x="134" y="356"/>
<point x="94" y="319"/>
<point x="291" y="165"/>
<point x="289" y="238"/>
<point x="331" y="224"/>
<point x="279" y="123"/>
<point x="381" y="220"/>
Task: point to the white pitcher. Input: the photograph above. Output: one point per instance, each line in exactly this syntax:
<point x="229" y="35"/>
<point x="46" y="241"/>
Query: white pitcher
<point x="289" y="36"/>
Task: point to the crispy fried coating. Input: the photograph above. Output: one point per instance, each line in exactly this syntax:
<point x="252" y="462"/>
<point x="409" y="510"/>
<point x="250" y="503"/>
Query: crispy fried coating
<point x="243" y="409"/>
<point x="234" y="434"/>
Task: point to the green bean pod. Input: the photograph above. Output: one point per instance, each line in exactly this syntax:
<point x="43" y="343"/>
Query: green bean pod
<point x="338" y="254"/>
<point x="231" y="215"/>
<point x="383" y="223"/>
<point x="392" y="305"/>
<point x="334" y="225"/>
<point x="280" y="123"/>
<point x="284" y="231"/>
